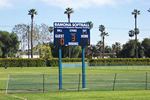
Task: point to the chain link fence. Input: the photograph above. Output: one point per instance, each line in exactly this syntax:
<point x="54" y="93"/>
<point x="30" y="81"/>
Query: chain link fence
<point x="72" y="82"/>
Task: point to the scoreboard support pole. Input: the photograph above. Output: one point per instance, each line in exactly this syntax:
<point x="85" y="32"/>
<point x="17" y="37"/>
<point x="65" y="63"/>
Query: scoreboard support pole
<point x="60" y="68"/>
<point x="83" y="68"/>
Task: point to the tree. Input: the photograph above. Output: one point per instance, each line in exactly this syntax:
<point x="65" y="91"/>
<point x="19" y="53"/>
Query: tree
<point x="45" y="51"/>
<point x="91" y="51"/>
<point x="76" y="52"/>
<point x="14" y="44"/>
<point x="100" y="46"/>
<point x="23" y="33"/>
<point x="68" y="12"/>
<point x="1" y="45"/>
<point x="9" y="44"/>
<point x="44" y="33"/>
<point x="116" y="48"/>
<point x="90" y="24"/>
<point x="51" y="29"/>
<point x="41" y="34"/>
<point x="146" y="46"/>
<point x="108" y="50"/>
<point x="128" y="50"/>
<point x="103" y="34"/>
<point x="32" y="13"/>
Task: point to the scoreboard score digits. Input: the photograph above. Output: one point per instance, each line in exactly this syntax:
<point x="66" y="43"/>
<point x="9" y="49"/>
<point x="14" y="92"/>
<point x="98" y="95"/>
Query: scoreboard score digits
<point x="74" y="34"/>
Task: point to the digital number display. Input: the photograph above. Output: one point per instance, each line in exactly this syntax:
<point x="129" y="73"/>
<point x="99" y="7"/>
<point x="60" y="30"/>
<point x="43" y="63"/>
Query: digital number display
<point x="61" y="41"/>
<point x="73" y="38"/>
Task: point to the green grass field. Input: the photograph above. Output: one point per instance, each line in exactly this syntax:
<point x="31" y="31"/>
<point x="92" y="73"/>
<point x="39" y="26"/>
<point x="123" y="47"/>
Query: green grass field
<point x="122" y="71"/>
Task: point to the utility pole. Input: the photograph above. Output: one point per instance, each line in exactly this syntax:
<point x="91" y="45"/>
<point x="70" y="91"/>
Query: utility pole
<point x="28" y="29"/>
<point x="136" y="30"/>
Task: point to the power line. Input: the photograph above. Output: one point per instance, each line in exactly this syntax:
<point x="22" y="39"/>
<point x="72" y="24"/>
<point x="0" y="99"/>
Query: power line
<point x="6" y="26"/>
<point x="109" y="28"/>
<point x="123" y="28"/>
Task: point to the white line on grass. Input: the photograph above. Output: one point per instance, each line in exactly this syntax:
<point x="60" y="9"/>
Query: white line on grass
<point x="17" y="97"/>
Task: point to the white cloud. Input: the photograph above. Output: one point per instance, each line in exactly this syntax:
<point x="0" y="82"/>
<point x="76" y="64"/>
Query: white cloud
<point x="5" y="3"/>
<point x="83" y="3"/>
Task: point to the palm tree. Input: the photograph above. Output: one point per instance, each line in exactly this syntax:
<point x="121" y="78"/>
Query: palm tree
<point x="51" y="29"/>
<point x="32" y="13"/>
<point x="90" y="24"/>
<point x="136" y="30"/>
<point x="99" y="46"/>
<point x="68" y="12"/>
<point x="116" y="48"/>
<point x="28" y="28"/>
<point x="103" y="34"/>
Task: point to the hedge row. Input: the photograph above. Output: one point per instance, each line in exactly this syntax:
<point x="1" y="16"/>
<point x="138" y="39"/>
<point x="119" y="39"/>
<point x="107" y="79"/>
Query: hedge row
<point x="54" y="62"/>
<point x="119" y="61"/>
<point x="17" y="62"/>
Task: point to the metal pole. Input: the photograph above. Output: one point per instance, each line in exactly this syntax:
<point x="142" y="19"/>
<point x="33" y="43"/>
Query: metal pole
<point x="7" y="84"/>
<point x="79" y="83"/>
<point x="28" y="40"/>
<point x="83" y="68"/>
<point x="146" y="82"/>
<point x="103" y="46"/>
<point x="43" y="83"/>
<point x="60" y="68"/>
<point x="114" y="81"/>
<point x="136" y="47"/>
<point x="69" y="52"/>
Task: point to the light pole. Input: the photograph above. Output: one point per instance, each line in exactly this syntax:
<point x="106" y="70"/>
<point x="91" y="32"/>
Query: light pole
<point x="28" y="28"/>
<point x="136" y="30"/>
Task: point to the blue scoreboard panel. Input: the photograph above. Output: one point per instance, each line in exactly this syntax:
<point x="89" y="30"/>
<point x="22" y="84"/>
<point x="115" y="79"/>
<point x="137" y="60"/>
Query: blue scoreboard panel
<point x="72" y="34"/>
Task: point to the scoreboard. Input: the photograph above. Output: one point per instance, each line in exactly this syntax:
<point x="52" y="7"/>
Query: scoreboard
<point x="71" y="34"/>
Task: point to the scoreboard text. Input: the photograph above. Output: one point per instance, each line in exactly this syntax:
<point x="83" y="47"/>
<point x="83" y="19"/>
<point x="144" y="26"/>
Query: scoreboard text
<point x="74" y="34"/>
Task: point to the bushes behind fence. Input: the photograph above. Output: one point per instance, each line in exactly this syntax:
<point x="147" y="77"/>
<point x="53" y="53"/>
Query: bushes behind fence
<point x="54" y="62"/>
<point x="18" y="62"/>
<point x="119" y="61"/>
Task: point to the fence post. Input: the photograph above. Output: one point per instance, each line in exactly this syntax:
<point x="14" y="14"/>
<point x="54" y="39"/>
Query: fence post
<point x="7" y="84"/>
<point x="114" y="81"/>
<point x="146" y="82"/>
<point x="43" y="83"/>
<point x="79" y="82"/>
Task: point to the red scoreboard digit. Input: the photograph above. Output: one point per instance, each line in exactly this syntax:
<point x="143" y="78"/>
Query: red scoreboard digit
<point x="73" y="38"/>
<point x="61" y="41"/>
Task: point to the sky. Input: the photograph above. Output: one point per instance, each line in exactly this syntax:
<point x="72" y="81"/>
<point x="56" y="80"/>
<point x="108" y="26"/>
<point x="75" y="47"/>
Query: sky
<point x="115" y="15"/>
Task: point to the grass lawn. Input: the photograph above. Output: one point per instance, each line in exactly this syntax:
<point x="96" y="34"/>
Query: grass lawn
<point x="82" y="95"/>
<point x="87" y="95"/>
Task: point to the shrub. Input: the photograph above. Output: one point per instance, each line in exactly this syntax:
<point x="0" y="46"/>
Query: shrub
<point x="54" y="62"/>
<point x="119" y="61"/>
<point x="17" y="62"/>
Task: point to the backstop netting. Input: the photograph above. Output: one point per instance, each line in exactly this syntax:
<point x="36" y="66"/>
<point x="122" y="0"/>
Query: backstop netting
<point x="31" y="83"/>
<point x="73" y="82"/>
<point x="41" y="83"/>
